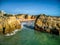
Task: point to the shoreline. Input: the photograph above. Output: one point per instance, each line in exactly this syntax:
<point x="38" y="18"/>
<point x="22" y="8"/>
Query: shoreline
<point x="13" y="32"/>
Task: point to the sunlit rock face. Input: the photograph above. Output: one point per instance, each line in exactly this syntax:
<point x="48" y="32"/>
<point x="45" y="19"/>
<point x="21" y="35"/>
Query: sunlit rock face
<point x="20" y="16"/>
<point x="48" y="24"/>
<point x="9" y="24"/>
<point x="33" y="17"/>
<point x="24" y="16"/>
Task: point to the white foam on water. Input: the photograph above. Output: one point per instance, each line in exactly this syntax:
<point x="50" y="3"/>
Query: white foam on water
<point x="14" y="32"/>
<point x="23" y="24"/>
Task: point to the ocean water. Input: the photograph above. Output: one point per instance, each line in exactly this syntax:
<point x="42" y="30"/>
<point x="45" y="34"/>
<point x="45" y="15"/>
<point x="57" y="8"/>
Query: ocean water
<point x="29" y="36"/>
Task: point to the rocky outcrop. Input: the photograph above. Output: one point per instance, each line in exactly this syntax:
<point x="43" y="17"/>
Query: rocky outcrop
<point x="33" y="17"/>
<point x="9" y="24"/>
<point x="25" y="16"/>
<point x="48" y="24"/>
<point x="20" y="16"/>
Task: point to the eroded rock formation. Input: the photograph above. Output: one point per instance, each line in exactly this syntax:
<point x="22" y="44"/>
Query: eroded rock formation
<point x="48" y="24"/>
<point x="9" y="24"/>
<point x="25" y="16"/>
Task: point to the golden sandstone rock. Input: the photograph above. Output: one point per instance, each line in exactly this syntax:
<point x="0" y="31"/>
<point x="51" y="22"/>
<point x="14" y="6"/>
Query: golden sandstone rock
<point x="1" y="28"/>
<point x="21" y="16"/>
<point x="48" y="24"/>
<point x="25" y="16"/>
<point x="9" y="24"/>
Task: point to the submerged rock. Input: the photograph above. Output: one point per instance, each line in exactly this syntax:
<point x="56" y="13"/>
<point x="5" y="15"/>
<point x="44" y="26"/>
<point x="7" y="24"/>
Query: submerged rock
<point x="48" y="24"/>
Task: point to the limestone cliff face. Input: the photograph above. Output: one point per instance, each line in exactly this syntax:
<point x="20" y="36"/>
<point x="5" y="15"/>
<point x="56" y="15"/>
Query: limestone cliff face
<point x="48" y="24"/>
<point x="33" y="17"/>
<point x="25" y="16"/>
<point x="29" y="17"/>
<point x="20" y="16"/>
<point x="9" y="24"/>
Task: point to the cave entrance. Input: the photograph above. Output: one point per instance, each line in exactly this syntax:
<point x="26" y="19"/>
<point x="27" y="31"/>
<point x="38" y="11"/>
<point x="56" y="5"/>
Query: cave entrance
<point x="3" y="30"/>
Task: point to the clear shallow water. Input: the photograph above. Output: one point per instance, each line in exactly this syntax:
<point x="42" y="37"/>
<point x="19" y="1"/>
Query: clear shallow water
<point x="29" y="36"/>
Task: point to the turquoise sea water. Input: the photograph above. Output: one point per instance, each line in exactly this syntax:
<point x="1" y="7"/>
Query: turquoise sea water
<point x="29" y="36"/>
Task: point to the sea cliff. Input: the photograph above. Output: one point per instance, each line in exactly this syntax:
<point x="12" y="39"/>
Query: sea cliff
<point x="50" y="24"/>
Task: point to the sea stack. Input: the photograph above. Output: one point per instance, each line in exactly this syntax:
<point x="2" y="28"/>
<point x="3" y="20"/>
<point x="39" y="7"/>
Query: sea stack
<point x="48" y="24"/>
